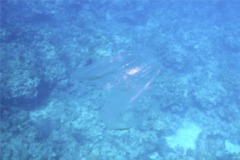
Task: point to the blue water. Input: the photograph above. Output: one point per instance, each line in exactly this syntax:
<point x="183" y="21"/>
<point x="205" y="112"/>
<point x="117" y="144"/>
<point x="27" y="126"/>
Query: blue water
<point x="118" y="79"/>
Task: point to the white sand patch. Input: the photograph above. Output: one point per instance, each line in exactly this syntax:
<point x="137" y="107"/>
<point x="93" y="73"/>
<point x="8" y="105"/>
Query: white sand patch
<point x="185" y="137"/>
<point x="232" y="148"/>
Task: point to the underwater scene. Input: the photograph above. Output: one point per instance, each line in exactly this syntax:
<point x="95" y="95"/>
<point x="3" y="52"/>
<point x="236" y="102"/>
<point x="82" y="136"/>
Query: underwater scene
<point x="120" y="80"/>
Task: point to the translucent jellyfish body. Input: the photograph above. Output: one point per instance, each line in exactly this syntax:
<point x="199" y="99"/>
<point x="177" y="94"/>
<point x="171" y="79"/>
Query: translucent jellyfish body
<point x="125" y="77"/>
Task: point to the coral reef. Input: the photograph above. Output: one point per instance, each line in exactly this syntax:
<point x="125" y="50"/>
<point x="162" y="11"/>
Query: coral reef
<point x="69" y="67"/>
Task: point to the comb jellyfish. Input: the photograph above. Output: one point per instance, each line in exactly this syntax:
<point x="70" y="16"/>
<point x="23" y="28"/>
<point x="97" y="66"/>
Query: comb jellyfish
<point x="125" y="78"/>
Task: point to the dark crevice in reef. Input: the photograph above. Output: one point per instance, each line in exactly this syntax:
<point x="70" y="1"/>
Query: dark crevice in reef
<point x="30" y="103"/>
